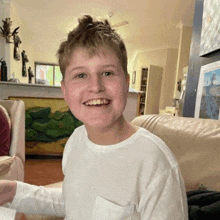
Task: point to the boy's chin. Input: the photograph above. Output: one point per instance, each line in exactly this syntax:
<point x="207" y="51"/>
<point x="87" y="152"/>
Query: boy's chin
<point x="97" y="126"/>
<point x="104" y="124"/>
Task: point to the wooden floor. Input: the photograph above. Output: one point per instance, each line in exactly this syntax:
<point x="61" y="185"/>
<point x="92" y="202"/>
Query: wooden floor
<point x="43" y="170"/>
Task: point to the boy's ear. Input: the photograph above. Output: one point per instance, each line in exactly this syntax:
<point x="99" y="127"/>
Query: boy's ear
<point x="128" y="79"/>
<point x="63" y="89"/>
<point x="128" y="82"/>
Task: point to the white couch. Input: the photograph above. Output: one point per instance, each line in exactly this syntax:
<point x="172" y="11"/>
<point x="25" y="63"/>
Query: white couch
<point x="12" y="166"/>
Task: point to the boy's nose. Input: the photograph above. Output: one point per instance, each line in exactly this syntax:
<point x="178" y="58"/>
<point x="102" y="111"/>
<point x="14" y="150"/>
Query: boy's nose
<point x="96" y="85"/>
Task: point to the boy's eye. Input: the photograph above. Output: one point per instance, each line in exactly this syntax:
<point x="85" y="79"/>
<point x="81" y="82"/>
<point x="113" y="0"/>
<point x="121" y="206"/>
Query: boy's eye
<point x="107" y="73"/>
<point x="81" y="75"/>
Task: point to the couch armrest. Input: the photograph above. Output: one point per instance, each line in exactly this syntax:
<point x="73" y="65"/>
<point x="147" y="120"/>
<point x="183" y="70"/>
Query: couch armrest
<point x="16" y="110"/>
<point x="195" y="142"/>
<point x="11" y="168"/>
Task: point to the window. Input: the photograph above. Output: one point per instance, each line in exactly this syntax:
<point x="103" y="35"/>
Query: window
<point x="48" y="74"/>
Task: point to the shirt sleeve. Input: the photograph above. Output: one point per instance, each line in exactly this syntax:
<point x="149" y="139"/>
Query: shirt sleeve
<point x="165" y="198"/>
<point x="7" y="214"/>
<point x="33" y="199"/>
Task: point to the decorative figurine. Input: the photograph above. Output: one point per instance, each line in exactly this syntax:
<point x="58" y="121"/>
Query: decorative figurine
<point x="5" y="31"/>
<point x="179" y="83"/>
<point x="13" y="79"/>
<point x="30" y="75"/>
<point x="24" y="61"/>
<point x="17" y="41"/>
<point x="3" y="70"/>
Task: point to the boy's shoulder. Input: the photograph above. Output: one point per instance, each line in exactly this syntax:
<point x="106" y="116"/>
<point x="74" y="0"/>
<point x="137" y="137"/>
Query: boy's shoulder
<point x="74" y="140"/>
<point x="151" y="145"/>
<point x="79" y="130"/>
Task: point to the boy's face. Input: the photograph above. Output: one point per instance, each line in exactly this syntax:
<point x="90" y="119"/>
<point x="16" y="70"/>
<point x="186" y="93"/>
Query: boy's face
<point x="95" y="87"/>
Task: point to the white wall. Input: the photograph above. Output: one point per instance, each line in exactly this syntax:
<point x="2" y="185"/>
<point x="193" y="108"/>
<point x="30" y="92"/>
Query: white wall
<point x="183" y="54"/>
<point x="36" y="48"/>
<point x="16" y="65"/>
<point x="169" y="79"/>
<point x="5" y="51"/>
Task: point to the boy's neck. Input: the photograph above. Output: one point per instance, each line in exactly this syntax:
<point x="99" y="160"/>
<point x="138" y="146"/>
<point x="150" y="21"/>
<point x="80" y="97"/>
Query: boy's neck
<point x="108" y="136"/>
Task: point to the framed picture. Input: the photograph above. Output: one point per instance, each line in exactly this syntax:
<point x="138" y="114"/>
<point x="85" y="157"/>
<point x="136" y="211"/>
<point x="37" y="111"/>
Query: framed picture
<point x="210" y="40"/>
<point x="48" y="125"/>
<point x="48" y="74"/>
<point x="208" y="92"/>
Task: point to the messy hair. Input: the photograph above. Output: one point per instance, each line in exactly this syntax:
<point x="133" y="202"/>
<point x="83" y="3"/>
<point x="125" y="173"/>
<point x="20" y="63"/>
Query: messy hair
<point x="91" y="35"/>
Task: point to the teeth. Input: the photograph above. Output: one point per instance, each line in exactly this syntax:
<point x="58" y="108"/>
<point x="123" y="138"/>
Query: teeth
<point x="97" y="102"/>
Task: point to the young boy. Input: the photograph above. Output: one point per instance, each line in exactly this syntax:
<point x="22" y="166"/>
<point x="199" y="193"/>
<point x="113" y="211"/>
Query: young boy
<point x="113" y="169"/>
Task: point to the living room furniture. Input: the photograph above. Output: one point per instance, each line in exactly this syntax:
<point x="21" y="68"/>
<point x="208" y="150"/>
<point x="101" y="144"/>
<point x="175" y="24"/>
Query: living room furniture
<point x="195" y="144"/>
<point x="12" y="165"/>
<point x="150" y="85"/>
<point x="169" y="110"/>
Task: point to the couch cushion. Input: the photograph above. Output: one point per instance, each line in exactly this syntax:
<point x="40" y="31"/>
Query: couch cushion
<point x="195" y="142"/>
<point x="5" y="132"/>
<point x="5" y="164"/>
<point x="55" y="185"/>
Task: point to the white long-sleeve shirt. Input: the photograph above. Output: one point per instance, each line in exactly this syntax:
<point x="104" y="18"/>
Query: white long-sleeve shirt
<point x="137" y="179"/>
<point x="7" y="214"/>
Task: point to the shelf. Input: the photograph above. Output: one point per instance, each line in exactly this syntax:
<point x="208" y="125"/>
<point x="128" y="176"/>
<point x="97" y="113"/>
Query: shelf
<point x="144" y="75"/>
<point x="150" y="82"/>
<point x="28" y="84"/>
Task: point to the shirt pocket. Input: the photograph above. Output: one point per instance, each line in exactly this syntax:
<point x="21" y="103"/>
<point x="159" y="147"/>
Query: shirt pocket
<point x="106" y="210"/>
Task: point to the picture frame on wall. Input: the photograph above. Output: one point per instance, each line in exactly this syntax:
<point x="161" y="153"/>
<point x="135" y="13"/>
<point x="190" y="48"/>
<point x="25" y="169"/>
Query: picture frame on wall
<point x="48" y="125"/>
<point x="208" y="92"/>
<point x="210" y="40"/>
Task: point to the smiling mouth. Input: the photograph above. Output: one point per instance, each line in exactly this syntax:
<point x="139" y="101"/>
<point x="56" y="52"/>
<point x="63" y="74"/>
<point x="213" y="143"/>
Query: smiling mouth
<point x="97" y="102"/>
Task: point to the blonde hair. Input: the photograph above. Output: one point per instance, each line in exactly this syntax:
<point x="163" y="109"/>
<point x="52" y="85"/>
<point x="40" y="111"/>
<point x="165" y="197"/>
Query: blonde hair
<point x="91" y="35"/>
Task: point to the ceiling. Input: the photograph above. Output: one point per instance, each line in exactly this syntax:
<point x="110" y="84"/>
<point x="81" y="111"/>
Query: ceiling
<point x="153" y="24"/>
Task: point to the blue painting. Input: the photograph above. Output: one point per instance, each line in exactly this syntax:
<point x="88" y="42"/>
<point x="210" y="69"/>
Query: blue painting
<point x="210" y="101"/>
<point x="209" y="92"/>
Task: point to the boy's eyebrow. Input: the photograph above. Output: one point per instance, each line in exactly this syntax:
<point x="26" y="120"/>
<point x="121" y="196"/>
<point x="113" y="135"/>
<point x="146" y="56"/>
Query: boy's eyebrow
<point x="110" y="65"/>
<point x="77" y="68"/>
<point x="83" y="67"/>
